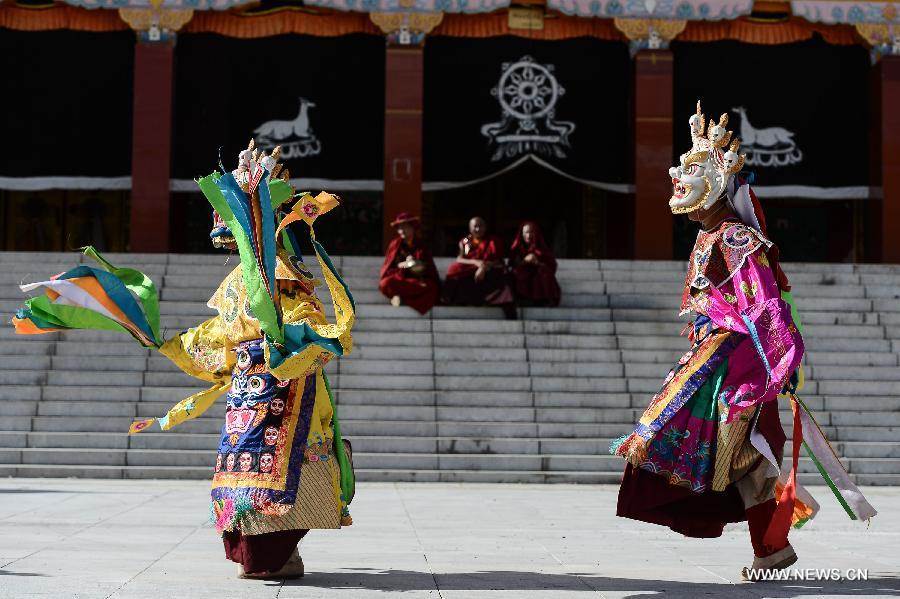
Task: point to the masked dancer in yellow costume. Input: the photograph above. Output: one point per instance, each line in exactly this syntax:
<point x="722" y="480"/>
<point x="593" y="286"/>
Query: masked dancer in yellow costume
<point x="282" y="467"/>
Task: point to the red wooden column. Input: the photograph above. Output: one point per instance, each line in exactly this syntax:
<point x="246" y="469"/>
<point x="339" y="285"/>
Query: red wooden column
<point x="402" y="134"/>
<point x="151" y="153"/>
<point x="652" y="154"/>
<point x="886" y="153"/>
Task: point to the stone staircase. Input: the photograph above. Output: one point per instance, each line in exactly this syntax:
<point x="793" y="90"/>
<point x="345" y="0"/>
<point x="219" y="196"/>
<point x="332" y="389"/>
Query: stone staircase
<point x="457" y="395"/>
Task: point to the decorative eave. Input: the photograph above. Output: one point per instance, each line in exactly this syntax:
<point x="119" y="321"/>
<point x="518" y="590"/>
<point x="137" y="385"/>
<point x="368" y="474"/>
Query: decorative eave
<point x="408" y="21"/>
<point x="413" y="6"/>
<point x="652" y="24"/>
<point x="406" y="28"/>
<point x="848" y="13"/>
<point x="157" y="20"/>
<point x="160" y="4"/>
<point x="876" y="22"/>
<point x="677" y="10"/>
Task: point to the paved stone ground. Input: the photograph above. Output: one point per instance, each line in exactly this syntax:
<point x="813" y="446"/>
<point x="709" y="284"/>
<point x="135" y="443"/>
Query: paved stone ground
<point x="150" y="539"/>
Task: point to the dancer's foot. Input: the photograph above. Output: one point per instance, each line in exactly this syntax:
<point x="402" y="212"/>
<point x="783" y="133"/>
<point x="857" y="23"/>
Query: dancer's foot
<point x="396" y="301"/>
<point x="293" y="568"/>
<point x="763" y="567"/>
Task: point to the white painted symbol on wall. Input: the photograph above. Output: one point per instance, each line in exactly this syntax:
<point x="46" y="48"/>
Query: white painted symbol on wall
<point x="528" y="93"/>
<point x="295" y="137"/>
<point x="769" y="147"/>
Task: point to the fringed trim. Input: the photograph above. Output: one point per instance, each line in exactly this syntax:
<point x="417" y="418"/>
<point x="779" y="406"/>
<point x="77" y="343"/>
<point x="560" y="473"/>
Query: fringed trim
<point x="227" y="513"/>
<point x="631" y="447"/>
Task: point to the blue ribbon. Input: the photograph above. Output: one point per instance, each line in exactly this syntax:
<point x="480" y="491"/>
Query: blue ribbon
<point x="751" y="327"/>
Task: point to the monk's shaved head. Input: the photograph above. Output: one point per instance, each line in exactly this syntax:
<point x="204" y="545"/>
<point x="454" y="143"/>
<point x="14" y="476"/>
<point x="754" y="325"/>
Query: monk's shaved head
<point x="477" y="227"/>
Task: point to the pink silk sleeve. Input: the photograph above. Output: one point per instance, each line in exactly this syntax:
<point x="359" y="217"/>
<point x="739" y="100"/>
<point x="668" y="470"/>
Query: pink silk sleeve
<point x="750" y="304"/>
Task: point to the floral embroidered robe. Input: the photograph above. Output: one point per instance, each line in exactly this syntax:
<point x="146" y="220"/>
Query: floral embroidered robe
<point x="695" y="434"/>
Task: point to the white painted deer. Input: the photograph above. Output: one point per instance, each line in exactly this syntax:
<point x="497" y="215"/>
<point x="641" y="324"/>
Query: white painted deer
<point x="275" y="131"/>
<point x="766" y="138"/>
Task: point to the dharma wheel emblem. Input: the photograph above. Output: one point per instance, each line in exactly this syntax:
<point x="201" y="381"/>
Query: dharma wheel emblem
<point x="528" y="92"/>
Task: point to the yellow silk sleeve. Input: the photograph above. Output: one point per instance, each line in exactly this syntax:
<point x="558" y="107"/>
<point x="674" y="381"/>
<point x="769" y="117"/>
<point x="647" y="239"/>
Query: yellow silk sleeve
<point x="193" y="406"/>
<point x="202" y="352"/>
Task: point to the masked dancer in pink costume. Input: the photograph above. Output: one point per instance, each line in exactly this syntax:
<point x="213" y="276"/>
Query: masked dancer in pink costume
<point x="709" y="448"/>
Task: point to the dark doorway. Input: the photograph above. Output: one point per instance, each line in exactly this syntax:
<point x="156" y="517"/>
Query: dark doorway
<point x="804" y="230"/>
<point x="61" y="220"/>
<point x="573" y="216"/>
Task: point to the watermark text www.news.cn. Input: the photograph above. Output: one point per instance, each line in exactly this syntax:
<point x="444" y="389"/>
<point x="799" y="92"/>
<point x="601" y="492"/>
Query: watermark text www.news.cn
<point x="811" y="574"/>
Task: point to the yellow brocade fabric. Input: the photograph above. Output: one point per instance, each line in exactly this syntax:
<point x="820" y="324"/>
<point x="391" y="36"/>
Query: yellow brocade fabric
<point x="734" y="453"/>
<point x="206" y="351"/>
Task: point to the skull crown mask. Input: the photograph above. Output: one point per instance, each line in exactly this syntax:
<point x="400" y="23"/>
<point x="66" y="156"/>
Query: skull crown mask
<point x="706" y="169"/>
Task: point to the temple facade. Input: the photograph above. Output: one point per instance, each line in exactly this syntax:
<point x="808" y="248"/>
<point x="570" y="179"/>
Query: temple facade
<point x="557" y="111"/>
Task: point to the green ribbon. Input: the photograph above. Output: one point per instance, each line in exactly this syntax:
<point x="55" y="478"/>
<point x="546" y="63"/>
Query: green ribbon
<point x="71" y="317"/>
<point x="348" y="480"/>
<point x="262" y="305"/>
<point x="821" y="469"/>
<point x="137" y="283"/>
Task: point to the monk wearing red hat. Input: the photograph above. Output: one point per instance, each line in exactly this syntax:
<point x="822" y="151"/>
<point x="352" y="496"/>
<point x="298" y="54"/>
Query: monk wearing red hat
<point x="408" y="275"/>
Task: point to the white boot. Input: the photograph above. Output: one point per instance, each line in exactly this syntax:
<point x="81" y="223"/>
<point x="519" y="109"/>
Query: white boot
<point x="779" y="560"/>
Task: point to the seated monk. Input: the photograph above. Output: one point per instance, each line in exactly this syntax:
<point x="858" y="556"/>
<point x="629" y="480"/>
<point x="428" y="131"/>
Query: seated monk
<point x="479" y="276"/>
<point x="534" y="268"/>
<point x="408" y="275"/>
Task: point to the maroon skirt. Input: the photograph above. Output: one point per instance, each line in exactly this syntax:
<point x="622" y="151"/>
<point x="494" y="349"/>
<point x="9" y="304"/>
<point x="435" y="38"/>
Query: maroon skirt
<point x="649" y="497"/>
<point x="261" y="553"/>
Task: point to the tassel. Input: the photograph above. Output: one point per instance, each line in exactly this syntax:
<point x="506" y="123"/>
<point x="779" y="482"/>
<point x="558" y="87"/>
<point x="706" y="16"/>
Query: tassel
<point x="631" y="447"/>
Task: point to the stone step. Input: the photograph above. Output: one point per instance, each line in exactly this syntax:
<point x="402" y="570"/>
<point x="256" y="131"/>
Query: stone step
<point x="883" y="278"/>
<point x="457" y="394"/>
<point x="26" y="346"/>
<point x="855" y="373"/>
<point x="172" y="441"/>
<point x="103" y="471"/>
<point x="595" y="313"/>
<point x="823" y="359"/>
<point x="863" y="433"/>
<point x="101" y="463"/>
<point x="882" y="291"/>
<point x="83" y="401"/>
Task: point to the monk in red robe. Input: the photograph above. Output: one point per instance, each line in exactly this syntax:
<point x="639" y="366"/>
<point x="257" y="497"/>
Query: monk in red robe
<point x="479" y="276"/>
<point x="408" y="275"/>
<point x="534" y="268"/>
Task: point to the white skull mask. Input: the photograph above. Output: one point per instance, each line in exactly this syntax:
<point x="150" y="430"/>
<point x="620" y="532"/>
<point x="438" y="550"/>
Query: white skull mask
<point x="229" y="462"/>
<point x="265" y="462"/>
<point x="705" y="170"/>
<point x="245" y="461"/>
<point x="270" y="435"/>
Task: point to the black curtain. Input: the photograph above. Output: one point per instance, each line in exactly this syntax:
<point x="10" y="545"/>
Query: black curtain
<point x="805" y="107"/>
<point x="66" y="103"/>
<point x="321" y="98"/>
